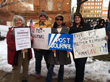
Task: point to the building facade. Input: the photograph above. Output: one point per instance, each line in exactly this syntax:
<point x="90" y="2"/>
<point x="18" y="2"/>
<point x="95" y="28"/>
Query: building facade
<point x="91" y="10"/>
<point x="31" y="9"/>
<point x="104" y="13"/>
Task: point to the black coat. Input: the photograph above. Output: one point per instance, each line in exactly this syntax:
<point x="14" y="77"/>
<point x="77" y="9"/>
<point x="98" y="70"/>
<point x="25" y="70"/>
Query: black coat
<point x="61" y="56"/>
<point x="81" y="28"/>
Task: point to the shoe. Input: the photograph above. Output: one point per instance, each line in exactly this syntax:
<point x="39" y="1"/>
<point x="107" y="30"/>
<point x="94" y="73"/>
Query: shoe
<point x="38" y="76"/>
<point x="24" y="81"/>
<point x="54" y="74"/>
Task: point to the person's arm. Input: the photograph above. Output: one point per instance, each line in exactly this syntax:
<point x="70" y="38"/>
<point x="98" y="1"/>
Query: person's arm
<point x="10" y="41"/>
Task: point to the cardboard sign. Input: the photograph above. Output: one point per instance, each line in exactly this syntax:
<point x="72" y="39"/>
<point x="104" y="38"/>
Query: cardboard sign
<point x="40" y="37"/>
<point x="60" y="42"/>
<point x="22" y="38"/>
<point x="90" y="43"/>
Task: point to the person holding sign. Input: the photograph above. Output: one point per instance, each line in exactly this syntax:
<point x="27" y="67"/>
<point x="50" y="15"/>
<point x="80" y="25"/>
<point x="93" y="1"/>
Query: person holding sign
<point x="41" y="23"/>
<point x="15" y="58"/>
<point x="79" y="26"/>
<point x="58" y="57"/>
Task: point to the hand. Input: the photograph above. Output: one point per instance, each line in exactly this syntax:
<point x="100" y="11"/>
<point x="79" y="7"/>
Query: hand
<point x="106" y="37"/>
<point x="68" y="52"/>
<point x="54" y="51"/>
<point x="41" y="28"/>
<point x="31" y="38"/>
<point x="23" y="50"/>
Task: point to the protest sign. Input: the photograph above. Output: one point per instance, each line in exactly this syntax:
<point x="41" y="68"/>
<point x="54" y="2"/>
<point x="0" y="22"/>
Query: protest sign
<point x="60" y="42"/>
<point x="40" y="37"/>
<point x="22" y="38"/>
<point x="90" y="43"/>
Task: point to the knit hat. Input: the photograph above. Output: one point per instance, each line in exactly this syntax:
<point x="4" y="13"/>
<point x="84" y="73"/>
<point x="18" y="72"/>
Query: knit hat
<point x="42" y="13"/>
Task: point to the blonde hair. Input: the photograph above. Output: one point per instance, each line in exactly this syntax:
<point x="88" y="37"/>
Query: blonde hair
<point x="19" y="17"/>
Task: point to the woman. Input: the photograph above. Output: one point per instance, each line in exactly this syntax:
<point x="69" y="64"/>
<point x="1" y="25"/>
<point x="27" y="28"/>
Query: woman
<point x="41" y="23"/>
<point x="101" y="24"/>
<point x="61" y="56"/>
<point x="15" y="58"/>
<point x="79" y="26"/>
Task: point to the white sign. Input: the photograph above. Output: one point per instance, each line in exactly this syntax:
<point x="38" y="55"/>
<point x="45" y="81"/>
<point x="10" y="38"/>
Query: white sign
<point x="90" y="43"/>
<point x="41" y="38"/>
<point x="22" y="38"/>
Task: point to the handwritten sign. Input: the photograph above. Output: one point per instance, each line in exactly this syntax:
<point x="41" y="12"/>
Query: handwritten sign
<point x="22" y="38"/>
<point x="41" y="38"/>
<point x="90" y="43"/>
<point x="60" y="42"/>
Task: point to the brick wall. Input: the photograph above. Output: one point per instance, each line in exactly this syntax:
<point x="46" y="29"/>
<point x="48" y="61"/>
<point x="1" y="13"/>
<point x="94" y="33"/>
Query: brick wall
<point x="52" y="8"/>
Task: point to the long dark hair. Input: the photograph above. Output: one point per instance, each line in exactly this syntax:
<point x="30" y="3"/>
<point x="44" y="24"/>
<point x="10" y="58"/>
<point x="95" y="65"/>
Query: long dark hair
<point x="82" y="20"/>
<point x="55" y="24"/>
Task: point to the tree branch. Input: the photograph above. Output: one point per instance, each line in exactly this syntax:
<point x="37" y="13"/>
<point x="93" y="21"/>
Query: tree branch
<point x="84" y="1"/>
<point x="10" y="3"/>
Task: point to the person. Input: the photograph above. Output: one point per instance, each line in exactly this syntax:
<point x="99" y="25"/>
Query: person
<point x="61" y="57"/>
<point x="107" y="22"/>
<point x="41" y="23"/>
<point x="108" y="34"/>
<point x="101" y="24"/>
<point x="15" y="58"/>
<point x="79" y="26"/>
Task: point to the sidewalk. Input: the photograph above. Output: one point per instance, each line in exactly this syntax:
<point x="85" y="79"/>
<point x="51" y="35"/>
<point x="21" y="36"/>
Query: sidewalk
<point x="6" y="77"/>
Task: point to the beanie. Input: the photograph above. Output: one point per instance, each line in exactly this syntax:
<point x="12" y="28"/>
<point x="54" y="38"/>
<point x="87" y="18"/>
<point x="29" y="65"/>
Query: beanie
<point x="42" y="13"/>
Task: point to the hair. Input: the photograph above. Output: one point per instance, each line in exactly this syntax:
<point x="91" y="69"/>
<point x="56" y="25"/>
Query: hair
<point x="82" y="20"/>
<point x="19" y="17"/>
<point x="101" y="21"/>
<point x="55" y="24"/>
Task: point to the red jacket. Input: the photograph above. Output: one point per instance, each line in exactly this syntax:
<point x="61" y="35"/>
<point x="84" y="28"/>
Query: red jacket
<point x="11" y="48"/>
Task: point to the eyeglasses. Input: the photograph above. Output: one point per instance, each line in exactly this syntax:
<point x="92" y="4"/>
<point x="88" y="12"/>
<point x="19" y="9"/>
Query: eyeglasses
<point x="59" y="19"/>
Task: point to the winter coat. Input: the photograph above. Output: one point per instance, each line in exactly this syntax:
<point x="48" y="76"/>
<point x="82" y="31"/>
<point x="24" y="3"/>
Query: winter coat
<point x="46" y="24"/>
<point x="81" y="28"/>
<point x="61" y="56"/>
<point x="12" y="53"/>
<point x="98" y="26"/>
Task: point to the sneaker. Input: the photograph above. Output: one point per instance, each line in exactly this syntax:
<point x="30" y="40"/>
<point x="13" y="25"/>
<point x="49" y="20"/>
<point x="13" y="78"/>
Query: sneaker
<point x="38" y="76"/>
<point x="54" y="74"/>
<point x="24" y="81"/>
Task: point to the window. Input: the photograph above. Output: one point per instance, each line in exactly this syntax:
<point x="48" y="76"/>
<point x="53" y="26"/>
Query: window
<point x="91" y="15"/>
<point x="95" y="3"/>
<point x="92" y="3"/>
<point x="92" y="7"/>
<point x="92" y="11"/>
<point x="85" y="3"/>
<point x="100" y="7"/>
<point x="98" y="3"/>
<point x="88" y="3"/>
<point x="88" y="15"/>
<point x="99" y="15"/>
<point x="102" y="16"/>
<point x="95" y="15"/>
<point x="88" y="7"/>
<point x="105" y="16"/>
<point x="95" y="11"/>
<point x="84" y="15"/>
<point x="85" y="11"/>
<point x="92" y="0"/>
<point x="88" y="11"/>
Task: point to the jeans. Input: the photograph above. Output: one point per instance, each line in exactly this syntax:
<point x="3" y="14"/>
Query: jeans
<point x="38" y="56"/>
<point x="80" y="68"/>
<point x="60" y="73"/>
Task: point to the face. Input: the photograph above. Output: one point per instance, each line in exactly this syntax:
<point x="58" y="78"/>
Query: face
<point x="102" y="22"/>
<point x="42" y="19"/>
<point x="18" y="22"/>
<point x="77" y="19"/>
<point x="59" y="21"/>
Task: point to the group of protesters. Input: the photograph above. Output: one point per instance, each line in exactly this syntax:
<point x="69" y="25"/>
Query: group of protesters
<point x="15" y="58"/>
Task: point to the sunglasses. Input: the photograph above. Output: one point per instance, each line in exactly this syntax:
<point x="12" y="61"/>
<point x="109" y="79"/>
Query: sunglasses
<point x="59" y="19"/>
